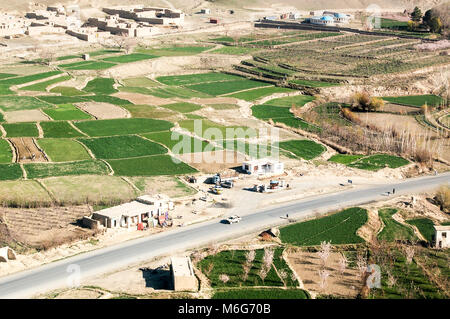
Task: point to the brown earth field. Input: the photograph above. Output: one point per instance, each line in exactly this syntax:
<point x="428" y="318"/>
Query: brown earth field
<point x="307" y="265"/>
<point x="103" y="111"/>
<point x="137" y="98"/>
<point x="25" y="148"/>
<point x="213" y="162"/>
<point x="26" y="116"/>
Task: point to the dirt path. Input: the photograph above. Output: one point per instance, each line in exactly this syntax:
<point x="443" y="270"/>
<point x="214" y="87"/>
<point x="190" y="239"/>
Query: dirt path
<point x="40" y="130"/>
<point x="370" y="230"/>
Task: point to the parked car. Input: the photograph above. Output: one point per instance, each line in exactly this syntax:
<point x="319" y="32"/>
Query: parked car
<point x="234" y="219"/>
<point x="227" y="184"/>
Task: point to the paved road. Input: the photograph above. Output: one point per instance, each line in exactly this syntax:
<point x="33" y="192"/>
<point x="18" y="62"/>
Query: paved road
<point x="60" y="274"/>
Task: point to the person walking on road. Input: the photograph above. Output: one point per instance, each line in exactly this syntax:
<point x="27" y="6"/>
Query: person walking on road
<point x="393" y="191"/>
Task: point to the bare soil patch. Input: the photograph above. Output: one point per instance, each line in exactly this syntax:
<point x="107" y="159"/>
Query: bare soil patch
<point x="213" y="162"/>
<point x="39" y="227"/>
<point x="307" y="265"/>
<point x="137" y="98"/>
<point x="27" y="150"/>
<point x="103" y="110"/>
<point x="26" y="116"/>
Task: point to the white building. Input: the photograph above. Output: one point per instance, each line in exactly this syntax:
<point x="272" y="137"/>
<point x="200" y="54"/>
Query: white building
<point x="144" y="209"/>
<point x="263" y="167"/>
<point x="183" y="274"/>
<point x="322" y="20"/>
<point x="441" y="236"/>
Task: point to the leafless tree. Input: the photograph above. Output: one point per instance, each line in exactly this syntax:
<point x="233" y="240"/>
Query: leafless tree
<point x="283" y="276"/>
<point x="208" y="269"/>
<point x="343" y="263"/>
<point x="250" y="256"/>
<point x="268" y="257"/>
<point x="224" y="278"/>
<point x="263" y="272"/>
<point x="409" y="252"/>
<point x="246" y="270"/>
<point x="361" y="264"/>
<point x="323" y="275"/>
<point x="324" y="252"/>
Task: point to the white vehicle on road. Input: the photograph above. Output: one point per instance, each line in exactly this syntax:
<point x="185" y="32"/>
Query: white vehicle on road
<point x="234" y="219"/>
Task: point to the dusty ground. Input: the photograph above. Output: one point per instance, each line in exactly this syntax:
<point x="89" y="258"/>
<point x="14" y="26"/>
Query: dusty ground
<point x="26" y="148"/>
<point x="26" y="116"/>
<point x="307" y="265"/>
<point x="103" y="110"/>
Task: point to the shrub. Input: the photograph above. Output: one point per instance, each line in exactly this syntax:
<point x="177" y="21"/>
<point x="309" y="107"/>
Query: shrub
<point x="364" y="102"/>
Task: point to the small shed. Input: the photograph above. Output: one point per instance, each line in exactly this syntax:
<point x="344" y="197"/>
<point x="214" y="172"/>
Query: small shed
<point x="441" y="236"/>
<point x="86" y="56"/>
<point x="214" y="20"/>
<point x="205" y="11"/>
<point x="183" y="274"/>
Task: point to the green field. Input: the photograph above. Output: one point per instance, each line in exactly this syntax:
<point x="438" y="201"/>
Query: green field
<point x="170" y="185"/>
<point x="122" y="147"/>
<point x="93" y="189"/>
<point x="214" y="88"/>
<point x="252" y="95"/>
<point x="379" y="161"/>
<point x="339" y="228"/>
<point x="66" y="112"/>
<point x="345" y="158"/>
<point x="28" y="78"/>
<point x="10" y="171"/>
<point x="18" y="103"/>
<point x="313" y="84"/>
<point x="139" y="82"/>
<point x="188" y="143"/>
<point x="122" y="126"/>
<point x="260" y="293"/>
<point x="42" y="86"/>
<point x="108" y="99"/>
<point x="393" y="24"/>
<point x="88" y="167"/>
<point x="6" y="154"/>
<point x="100" y="86"/>
<point x="289" y="101"/>
<point x="150" y="166"/>
<point x="63" y="150"/>
<point x="270" y="112"/>
<point x="230" y="262"/>
<point x="174" y="51"/>
<point x="305" y="149"/>
<point x="196" y="124"/>
<point x="234" y="50"/>
<point x="425" y="226"/>
<point x="21" y="130"/>
<point x="92" y="65"/>
<point x="182" y="107"/>
<point x="189" y="79"/>
<point x="149" y="111"/>
<point x="392" y="229"/>
<point x="5" y="90"/>
<point x="415" y="100"/>
<point x="55" y="99"/>
<point x="6" y="75"/>
<point x="103" y="52"/>
<point x="133" y="57"/>
<point x="59" y="130"/>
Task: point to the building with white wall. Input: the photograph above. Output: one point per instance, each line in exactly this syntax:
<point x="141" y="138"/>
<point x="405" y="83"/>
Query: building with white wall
<point x="263" y="167"/>
<point x="441" y="236"/>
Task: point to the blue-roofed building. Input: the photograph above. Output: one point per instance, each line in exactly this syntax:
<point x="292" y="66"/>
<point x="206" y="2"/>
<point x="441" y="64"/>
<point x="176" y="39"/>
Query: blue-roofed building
<point x="322" y="20"/>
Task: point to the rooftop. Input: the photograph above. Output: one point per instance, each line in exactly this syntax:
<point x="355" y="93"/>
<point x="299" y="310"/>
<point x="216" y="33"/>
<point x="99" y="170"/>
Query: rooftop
<point x="182" y="267"/>
<point x="442" y="228"/>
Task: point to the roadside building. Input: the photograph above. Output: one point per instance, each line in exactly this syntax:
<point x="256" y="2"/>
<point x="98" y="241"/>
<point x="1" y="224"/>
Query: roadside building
<point x="322" y="20"/>
<point x="205" y="11"/>
<point x="263" y="167"/>
<point x="441" y="236"/>
<point x="182" y="273"/>
<point x="151" y="210"/>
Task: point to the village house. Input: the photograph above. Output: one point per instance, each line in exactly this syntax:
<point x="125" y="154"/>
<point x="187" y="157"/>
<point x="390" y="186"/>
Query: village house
<point x="441" y="236"/>
<point x="263" y="167"/>
<point x="152" y="210"/>
<point x="117" y="26"/>
<point x="149" y="15"/>
<point x="183" y="276"/>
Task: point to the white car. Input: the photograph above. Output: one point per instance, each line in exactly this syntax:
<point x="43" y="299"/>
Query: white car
<point x="234" y="219"/>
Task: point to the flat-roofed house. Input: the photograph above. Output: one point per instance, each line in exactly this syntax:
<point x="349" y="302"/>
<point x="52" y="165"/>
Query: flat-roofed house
<point x="263" y="167"/>
<point x="183" y="274"/>
<point x="441" y="236"/>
